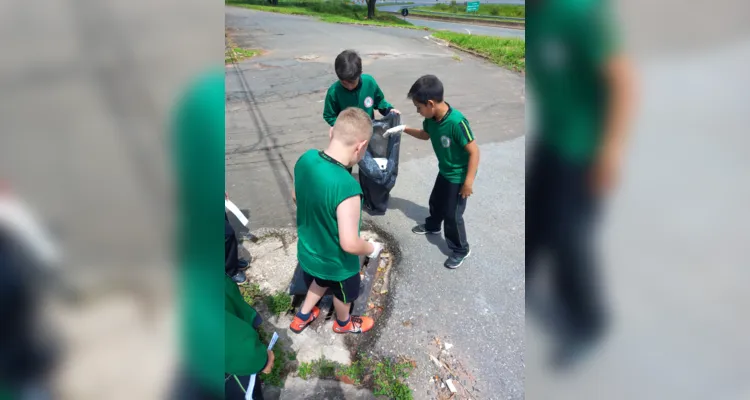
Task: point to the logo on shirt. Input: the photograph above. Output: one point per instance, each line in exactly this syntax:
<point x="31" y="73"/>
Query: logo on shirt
<point x="368" y="101"/>
<point x="445" y="141"/>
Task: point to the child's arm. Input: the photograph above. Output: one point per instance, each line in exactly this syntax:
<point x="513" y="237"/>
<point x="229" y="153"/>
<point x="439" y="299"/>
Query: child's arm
<point x="468" y="187"/>
<point x="331" y="109"/>
<point x="417" y="133"/>
<point x="463" y="135"/>
<point x="348" y="215"/>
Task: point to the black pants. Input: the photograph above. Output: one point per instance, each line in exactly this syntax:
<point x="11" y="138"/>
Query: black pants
<point x="447" y="207"/>
<point x="231" y="252"/>
<point x="560" y="220"/>
<point x="236" y="386"/>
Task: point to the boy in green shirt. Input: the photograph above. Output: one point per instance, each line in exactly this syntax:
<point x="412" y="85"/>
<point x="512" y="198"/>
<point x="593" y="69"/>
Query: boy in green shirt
<point x="353" y="89"/>
<point x="458" y="160"/>
<point x="245" y="353"/>
<point x="329" y="214"/>
<point x="582" y="82"/>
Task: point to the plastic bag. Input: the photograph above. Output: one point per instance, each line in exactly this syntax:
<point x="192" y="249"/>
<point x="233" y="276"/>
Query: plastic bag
<point x="379" y="166"/>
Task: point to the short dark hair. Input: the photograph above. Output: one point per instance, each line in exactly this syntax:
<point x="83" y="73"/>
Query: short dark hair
<point x="348" y="65"/>
<point x="427" y="87"/>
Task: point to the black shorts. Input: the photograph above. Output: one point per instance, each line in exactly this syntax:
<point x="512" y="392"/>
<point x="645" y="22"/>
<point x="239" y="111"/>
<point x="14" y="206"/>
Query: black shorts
<point x="346" y="290"/>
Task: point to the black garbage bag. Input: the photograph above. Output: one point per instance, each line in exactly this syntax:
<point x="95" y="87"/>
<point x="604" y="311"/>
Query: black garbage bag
<point x="379" y="166"/>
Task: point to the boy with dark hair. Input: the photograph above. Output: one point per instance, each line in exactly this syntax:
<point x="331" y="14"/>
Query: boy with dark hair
<point x="353" y="89"/>
<point x="458" y="161"/>
<point x="329" y="214"/>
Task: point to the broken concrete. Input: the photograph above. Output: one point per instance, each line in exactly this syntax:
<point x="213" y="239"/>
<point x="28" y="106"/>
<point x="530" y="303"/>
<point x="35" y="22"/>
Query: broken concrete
<point x="299" y="389"/>
<point x="274" y="260"/>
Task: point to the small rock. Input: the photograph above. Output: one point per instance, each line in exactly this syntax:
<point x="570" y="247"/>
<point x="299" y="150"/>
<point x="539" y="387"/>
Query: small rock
<point x="448" y="346"/>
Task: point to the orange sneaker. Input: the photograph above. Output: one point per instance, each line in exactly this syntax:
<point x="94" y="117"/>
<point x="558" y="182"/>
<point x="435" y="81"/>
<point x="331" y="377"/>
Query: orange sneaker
<point x="298" y="325"/>
<point x="357" y="324"/>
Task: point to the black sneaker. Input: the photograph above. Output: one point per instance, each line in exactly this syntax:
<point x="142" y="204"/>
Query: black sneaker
<point x="243" y="264"/>
<point x="240" y="278"/>
<point x="455" y="261"/>
<point x="422" y="230"/>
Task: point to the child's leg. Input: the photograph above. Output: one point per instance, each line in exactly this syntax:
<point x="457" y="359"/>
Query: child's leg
<point x="455" y="231"/>
<point x="343" y="297"/>
<point x="438" y="198"/>
<point x="314" y="294"/>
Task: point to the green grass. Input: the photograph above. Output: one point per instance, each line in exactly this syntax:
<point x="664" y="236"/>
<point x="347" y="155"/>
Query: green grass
<point x="239" y="54"/>
<point x="386" y="376"/>
<point x="279" y="303"/>
<point x="507" y="53"/>
<point x="281" y="363"/>
<point x="252" y="293"/>
<point x="328" y="11"/>
<point x="494" y="10"/>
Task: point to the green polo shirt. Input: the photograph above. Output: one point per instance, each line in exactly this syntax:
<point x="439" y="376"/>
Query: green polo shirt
<point x="245" y="353"/>
<point x="367" y="96"/>
<point x="568" y="43"/>
<point x="449" y="137"/>
<point x="321" y="184"/>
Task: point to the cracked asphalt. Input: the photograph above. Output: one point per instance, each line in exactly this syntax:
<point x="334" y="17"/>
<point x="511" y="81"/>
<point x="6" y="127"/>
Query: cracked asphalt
<point x="274" y="115"/>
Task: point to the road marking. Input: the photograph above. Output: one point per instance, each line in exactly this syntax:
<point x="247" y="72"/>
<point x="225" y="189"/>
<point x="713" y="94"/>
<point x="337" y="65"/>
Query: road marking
<point x="467" y="31"/>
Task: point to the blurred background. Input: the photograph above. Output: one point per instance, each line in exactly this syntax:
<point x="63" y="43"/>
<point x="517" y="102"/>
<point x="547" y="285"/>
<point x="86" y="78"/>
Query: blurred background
<point x="672" y="239"/>
<point x="87" y="90"/>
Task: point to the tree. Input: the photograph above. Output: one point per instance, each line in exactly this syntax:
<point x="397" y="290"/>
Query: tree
<point x="371" y="9"/>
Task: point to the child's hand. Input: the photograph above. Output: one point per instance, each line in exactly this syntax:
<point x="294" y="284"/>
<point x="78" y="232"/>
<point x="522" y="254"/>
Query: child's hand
<point x="393" y="110"/>
<point x="396" y="130"/>
<point x="269" y="365"/>
<point x="467" y="189"/>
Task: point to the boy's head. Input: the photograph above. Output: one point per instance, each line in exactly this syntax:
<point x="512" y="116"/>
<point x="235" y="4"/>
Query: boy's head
<point x="351" y="132"/>
<point x="426" y="93"/>
<point x="348" y="68"/>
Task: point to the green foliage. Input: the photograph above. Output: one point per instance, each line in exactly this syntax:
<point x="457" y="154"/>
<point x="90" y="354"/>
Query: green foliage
<point x="279" y="303"/>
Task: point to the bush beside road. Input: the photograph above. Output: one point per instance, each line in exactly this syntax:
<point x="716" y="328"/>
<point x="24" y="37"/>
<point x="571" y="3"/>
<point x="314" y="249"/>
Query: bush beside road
<point x="507" y="53"/>
<point x="327" y="11"/>
<point x="494" y="10"/>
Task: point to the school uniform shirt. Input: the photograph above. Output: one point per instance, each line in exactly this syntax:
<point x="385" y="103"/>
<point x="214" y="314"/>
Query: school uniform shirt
<point x="198" y="162"/>
<point x="245" y="354"/>
<point x="568" y="43"/>
<point x="367" y="96"/>
<point x="449" y="137"/>
<point x="321" y="184"/>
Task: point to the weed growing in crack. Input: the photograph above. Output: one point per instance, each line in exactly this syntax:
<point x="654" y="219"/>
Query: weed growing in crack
<point x="279" y="303"/>
<point x="385" y="377"/>
<point x="251" y="293"/>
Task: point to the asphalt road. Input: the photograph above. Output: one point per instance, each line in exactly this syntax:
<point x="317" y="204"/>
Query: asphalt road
<point x="486" y="30"/>
<point x="277" y="116"/>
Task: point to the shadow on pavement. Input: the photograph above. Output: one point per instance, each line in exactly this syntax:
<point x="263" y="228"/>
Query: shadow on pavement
<point x="440" y="243"/>
<point x="411" y="210"/>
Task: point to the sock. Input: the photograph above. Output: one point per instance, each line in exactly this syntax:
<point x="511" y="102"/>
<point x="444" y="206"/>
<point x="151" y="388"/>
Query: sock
<point x="303" y="317"/>
<point x="344" y="322"/>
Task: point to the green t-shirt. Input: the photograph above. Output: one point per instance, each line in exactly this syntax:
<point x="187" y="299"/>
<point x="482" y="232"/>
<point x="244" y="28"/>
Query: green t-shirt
<point x="568" y="42"/>
<point x="321" y="184"/>
<point x="245" y="354"/>
<point x="367" y="96"/>
<point x="449" y="138"/>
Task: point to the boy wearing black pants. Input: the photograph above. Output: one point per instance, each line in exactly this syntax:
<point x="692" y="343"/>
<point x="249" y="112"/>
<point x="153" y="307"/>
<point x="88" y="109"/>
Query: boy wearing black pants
<point x="458" y="161"/>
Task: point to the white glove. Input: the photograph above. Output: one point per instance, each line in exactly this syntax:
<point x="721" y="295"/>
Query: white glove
<point x="396" y="130"/>
<point x="377" y="248"/>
